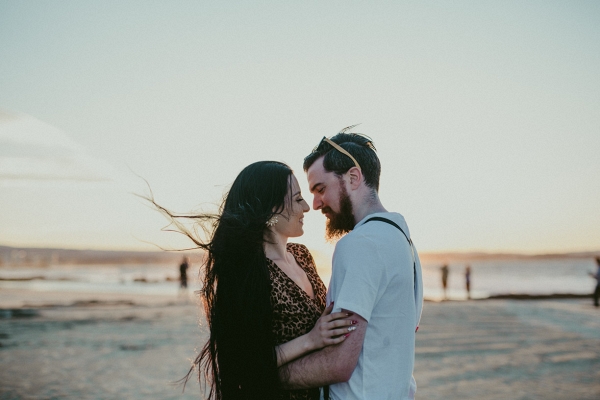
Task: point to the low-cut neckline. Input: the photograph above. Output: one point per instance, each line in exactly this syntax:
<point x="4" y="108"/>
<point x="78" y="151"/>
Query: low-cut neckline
<point x="293" y="281"/>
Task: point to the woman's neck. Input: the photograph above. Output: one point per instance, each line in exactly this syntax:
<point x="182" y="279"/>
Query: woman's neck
<point x="276" y="246"/>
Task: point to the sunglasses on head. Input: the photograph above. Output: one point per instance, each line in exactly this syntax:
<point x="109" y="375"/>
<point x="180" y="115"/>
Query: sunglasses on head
<point x="335" y="146"/>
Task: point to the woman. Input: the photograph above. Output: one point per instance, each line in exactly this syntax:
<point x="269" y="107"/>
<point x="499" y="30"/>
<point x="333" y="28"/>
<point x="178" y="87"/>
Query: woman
<point x="264" y="302"/>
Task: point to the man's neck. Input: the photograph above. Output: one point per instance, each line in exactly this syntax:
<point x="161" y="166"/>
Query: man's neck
<point x="367" y="207"/>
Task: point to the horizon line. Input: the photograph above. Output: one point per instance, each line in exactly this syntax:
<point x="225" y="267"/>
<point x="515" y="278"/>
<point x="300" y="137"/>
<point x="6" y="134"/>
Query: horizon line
<point x="424" y="254"/>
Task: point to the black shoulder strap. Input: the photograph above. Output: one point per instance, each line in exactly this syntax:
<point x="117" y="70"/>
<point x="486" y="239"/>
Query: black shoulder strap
<point x="412" y="250"/>
<point x="391" y="223"/>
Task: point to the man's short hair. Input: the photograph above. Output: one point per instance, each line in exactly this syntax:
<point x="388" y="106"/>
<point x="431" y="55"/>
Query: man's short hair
<point x="362" y="149"/>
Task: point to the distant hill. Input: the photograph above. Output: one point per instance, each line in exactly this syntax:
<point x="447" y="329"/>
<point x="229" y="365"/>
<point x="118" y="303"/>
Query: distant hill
<point x="17" y="256"/>
<point x="43" y="257"/>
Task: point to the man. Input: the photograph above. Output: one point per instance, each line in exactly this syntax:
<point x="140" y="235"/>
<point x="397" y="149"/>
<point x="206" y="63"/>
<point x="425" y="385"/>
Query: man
<point x="444" y="270"/>
<point x="183" y="267"/>
<point x="468" y="281"/>
<point x="596" y="276"/>
<point x="376" y="276"/>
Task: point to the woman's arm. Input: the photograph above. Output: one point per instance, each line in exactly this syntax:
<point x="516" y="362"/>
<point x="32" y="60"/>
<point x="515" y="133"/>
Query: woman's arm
<point x="329" y="329"/>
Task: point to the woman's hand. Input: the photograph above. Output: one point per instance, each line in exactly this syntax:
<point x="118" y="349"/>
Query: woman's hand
<point x="330" y="329"/>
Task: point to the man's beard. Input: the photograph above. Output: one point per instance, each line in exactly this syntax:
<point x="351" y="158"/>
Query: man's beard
<point x="338" y="224"/>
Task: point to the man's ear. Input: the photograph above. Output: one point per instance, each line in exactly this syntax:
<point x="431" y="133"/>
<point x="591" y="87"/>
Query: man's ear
<point x="355" y="176"/>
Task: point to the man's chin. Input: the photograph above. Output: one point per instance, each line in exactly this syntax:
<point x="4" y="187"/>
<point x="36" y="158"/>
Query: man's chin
<point x="342" y="222"/>
<point x="332" y="237"/>
<point x="333" y="234"/>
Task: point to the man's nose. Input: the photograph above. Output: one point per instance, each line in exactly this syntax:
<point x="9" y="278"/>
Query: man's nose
<point x="317" y="203"/>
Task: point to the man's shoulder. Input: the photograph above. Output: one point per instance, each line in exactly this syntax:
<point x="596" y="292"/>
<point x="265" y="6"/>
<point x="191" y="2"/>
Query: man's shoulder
<point x="374" y="228"/>
<point x="354" y="238"/>
<point x="370" y="234"/>
<point x="353" y="247"/>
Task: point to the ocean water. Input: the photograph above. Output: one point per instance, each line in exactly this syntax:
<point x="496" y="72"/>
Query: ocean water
<point x="518" y="276"/>
<point x="148" y="279"/>
<point x="489" y="277"/>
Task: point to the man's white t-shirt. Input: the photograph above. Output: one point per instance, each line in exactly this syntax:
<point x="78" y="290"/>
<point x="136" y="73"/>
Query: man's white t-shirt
<point x="373" y="276"/>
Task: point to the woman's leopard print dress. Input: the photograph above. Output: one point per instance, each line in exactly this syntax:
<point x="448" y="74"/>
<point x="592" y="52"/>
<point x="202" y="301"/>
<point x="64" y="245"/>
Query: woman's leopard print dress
<point x="295" y="313"/>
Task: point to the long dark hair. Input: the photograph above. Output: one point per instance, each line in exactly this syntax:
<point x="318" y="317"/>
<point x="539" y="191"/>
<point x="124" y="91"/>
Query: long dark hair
<point x="239" y="359"/>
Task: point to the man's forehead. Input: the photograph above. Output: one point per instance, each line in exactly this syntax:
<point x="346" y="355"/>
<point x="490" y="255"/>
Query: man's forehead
<point x="316" y="173"/>
<point x="316" y="168"/>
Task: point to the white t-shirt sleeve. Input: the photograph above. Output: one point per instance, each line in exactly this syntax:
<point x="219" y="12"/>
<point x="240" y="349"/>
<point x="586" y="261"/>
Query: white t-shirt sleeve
<point x="358" y="274"/>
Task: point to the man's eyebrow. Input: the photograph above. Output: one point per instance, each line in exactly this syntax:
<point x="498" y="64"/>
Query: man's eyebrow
<point x="314" y="187"/>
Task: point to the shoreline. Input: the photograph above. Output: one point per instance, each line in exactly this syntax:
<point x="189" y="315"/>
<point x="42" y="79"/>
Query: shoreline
<point x="25" y="299"/>
<point x="518" y="296"/>
<point x="33" y="299"/>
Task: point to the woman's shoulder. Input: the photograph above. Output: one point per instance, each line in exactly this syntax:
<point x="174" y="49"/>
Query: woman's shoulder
<point x="297" y="247"/>
<point x="299" y="250"/>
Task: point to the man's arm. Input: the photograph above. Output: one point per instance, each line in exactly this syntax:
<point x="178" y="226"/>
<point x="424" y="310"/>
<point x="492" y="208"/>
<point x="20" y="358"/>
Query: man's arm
<point x="329" y="365"/>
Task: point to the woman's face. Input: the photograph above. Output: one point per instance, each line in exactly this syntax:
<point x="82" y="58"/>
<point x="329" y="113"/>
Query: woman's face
<point x="290" y="221"/>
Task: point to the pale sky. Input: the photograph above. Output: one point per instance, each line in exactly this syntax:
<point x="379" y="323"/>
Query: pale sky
<point x="486" y="115"/>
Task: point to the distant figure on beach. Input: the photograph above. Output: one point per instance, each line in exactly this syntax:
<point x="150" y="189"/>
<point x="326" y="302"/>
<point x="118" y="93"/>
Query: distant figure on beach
<point x="263" y="298"/>
<point x="183" y="267"/>
<point x="444" y="270"/>
<point x="468" y="281"/>
<point x="596" y="276"/>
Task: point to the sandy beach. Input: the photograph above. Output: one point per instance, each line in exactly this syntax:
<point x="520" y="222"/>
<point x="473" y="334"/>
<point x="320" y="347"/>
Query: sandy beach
<point x="87" y="346"/>
<point x="509" y="349"/>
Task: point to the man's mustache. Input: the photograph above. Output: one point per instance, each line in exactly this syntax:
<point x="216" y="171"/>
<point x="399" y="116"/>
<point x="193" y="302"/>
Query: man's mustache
<point x="326" y="209"/>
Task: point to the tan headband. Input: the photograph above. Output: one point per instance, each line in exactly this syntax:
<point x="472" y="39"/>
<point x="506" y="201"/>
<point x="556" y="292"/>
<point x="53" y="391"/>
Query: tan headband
<point x="341" y="150"/>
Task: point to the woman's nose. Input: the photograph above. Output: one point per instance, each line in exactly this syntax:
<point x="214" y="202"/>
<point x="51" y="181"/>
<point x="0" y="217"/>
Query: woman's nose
<point x="305" y="207"/>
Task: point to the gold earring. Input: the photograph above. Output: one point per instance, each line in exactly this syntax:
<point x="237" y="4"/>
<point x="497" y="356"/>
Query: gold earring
<point x="272" y="221"/>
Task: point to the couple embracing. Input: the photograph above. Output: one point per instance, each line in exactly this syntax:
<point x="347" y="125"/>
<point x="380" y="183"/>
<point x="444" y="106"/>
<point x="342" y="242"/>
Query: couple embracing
<point x="276" y="332"/>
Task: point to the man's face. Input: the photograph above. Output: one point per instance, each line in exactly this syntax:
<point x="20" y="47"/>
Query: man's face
<point x="331" y="197"/>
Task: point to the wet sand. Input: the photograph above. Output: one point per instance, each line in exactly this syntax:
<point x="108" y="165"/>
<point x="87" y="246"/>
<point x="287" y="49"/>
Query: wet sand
<point x="104" y="347"/>
<point x="509" y="349"/>
<point x="86" y="346"/>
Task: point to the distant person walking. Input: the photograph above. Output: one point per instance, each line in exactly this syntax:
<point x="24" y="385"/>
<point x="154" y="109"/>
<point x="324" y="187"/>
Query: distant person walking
<point x="183" y="267"/>
<point x="596" y="276"/>
<point x="444" y="270"/>
<point x="468" y="280"/>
